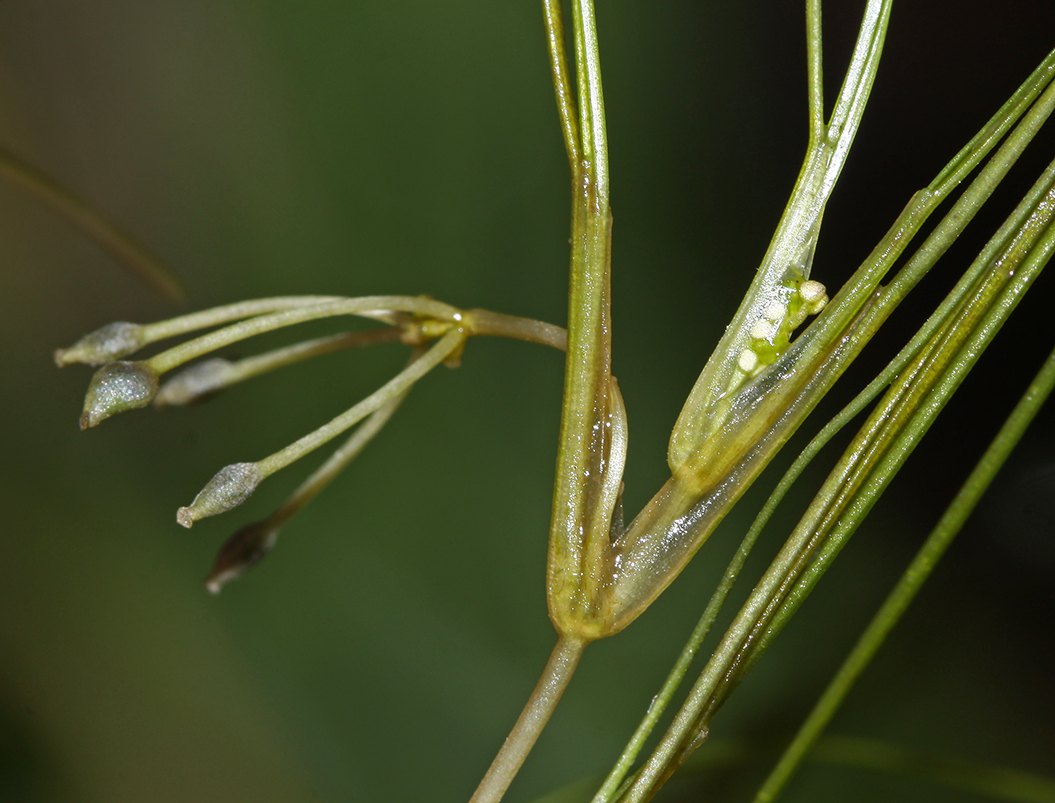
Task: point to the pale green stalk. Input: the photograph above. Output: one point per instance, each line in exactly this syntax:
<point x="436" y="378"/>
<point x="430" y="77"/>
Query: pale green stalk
<point x="251" y="543"/>
<point x="367" y="306"/>
<point x="216" y="316"/>
<point x="540" y="706"/>
<point x="395" y="387"/>
<point x="212" y="376"/>
<point x="553" y="18"/>
<point x="233" y="484"/>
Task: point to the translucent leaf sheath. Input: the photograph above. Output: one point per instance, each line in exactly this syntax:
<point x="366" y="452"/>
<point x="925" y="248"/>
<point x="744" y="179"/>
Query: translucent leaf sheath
<point x="790" y="253"/>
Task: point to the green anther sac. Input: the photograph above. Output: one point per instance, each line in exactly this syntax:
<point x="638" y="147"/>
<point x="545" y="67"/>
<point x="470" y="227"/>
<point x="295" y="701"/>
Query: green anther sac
<point x="116" y="388"/>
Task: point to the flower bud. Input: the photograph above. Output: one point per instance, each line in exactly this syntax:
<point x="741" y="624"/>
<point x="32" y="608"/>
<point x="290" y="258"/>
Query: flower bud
<point x="113" y="342"/>
<point x="116" y="388"/>
<point x="231" y="486"/>
<point x="815" y="295"/>
<point x="194" y="384"/>
<point x="241" y="552"/>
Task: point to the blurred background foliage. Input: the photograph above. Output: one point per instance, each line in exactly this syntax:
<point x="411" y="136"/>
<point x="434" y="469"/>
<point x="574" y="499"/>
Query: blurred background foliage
<point x="364" y="147"/>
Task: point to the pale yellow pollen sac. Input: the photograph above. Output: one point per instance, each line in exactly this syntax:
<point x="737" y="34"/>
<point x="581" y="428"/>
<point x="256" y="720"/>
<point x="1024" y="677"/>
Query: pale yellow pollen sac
<point x="775" y="312"/>
<point x="763" y="329"/>
<point x="814" y="294"/>
<point x="748" y="361"/>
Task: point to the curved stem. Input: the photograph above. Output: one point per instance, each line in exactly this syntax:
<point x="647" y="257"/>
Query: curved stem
<point x="543" y="700"/>
<point x="105" y="232"/>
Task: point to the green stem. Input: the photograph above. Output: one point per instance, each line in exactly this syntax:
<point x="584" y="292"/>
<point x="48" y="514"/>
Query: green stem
<point x="894" y="429"/>
<point x="497" y="324"/>
<point x="618" y="773"/>
<point x="216" y="316"/>
<point x="579" y="555"/>
<point x="876" y="454"/>
<point x="555" y="677"/>
<point x="558" y="63"/>
<point x="251" y="543"/>
<point x="367" y="306"/>
<point x="212" y="376"/>
<point x="815" y="73"/>
<point x="392" y="389"/>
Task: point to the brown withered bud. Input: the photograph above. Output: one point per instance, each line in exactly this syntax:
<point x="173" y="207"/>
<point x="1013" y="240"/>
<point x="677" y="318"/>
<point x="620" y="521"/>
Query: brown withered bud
<point x="231" y="486"/>
<point x="116" y="388"/>
<point x="112" y="342"/>
<point x="240" y="553"/>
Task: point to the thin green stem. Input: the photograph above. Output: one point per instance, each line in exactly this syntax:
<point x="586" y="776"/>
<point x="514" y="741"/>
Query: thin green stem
<point x="367" y="306"/>
<point x="207" y="378"/>
<point x="936" y="244"/>
<point x="907" y="413"/>
<point x="1013" y="273"/>
<point x="618" y="773"/>
<point x="558" y="63"/>
<point x="591" y="100"/>
<point x="216" y="316"/>
<point x="235" y="483"/>
<point x="496" y="324"/>
<point x="540" y="706"/>
<point x="998" y="125"/>
<point x="250" y="544"/>
<point x="845" y="498"/>
<point x="105" y="232"/>
<point x="815" y="73"/>
<point x="896" y="428"/>
<point x="393" y="388"/>
<point x="338" y="461"/>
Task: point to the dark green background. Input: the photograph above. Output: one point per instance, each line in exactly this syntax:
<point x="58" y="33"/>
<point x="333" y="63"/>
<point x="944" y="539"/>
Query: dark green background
<point x="384" y="649"/>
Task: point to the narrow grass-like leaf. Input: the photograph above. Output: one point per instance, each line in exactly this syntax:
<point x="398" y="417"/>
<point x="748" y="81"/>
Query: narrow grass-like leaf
<point x="912" y="580"/>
